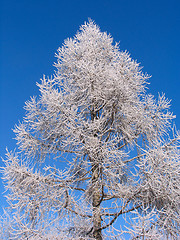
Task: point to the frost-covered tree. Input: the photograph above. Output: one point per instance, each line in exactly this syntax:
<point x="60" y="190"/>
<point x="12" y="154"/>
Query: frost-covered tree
<point x="97" y="156"/>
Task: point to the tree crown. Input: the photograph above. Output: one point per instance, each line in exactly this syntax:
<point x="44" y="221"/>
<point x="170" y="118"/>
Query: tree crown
<point x="122" y="159"/>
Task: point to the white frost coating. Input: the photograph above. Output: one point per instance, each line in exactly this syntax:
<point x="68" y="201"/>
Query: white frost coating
<point x="122" y="178"/>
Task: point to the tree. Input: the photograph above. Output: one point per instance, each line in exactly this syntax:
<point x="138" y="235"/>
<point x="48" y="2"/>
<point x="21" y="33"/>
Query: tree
<point x="113" y="151"/>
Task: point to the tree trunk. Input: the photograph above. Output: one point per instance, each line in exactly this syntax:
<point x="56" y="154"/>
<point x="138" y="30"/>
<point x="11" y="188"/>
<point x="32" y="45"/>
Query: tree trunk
<point x="96" y="198"/>
<point x="96" y="190"/>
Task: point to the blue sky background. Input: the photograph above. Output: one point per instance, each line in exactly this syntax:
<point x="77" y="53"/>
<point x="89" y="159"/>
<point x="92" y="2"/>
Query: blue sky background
<point x="31" y="32"/>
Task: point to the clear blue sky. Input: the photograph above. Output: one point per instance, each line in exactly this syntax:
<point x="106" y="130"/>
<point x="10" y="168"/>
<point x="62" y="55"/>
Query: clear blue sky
<point x="31" y="32"/>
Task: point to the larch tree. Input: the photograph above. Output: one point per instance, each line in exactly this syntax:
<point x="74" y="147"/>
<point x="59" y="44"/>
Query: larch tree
<point x="98" y="157"/>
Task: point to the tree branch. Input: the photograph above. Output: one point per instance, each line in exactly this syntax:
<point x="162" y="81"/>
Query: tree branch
<point x="116" y="215"/>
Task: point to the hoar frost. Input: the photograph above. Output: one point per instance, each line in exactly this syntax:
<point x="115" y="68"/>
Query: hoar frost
<point x="119" y="151"/>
